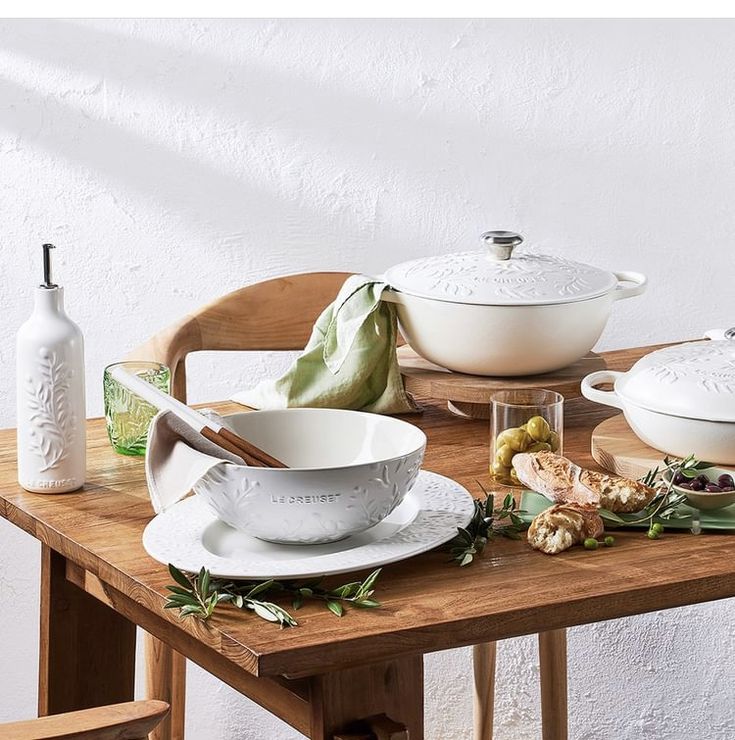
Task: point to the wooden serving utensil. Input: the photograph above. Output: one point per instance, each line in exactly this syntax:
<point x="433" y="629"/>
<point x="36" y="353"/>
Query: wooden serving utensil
<point x="208" y="428"/>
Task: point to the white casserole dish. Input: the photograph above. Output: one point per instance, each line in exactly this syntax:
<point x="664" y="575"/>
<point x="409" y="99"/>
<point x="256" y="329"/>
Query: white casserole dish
<point x="679" y="400"/>
<point x="485" y="313"/>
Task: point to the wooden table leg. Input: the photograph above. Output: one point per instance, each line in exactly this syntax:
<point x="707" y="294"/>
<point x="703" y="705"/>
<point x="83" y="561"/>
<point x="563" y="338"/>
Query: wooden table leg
<point x="342" y="698"/>
<point x="483" y="706"/>
<point x="553" y="660"/>
<point x="87" y="650"/>
<point x="166" y="680"/>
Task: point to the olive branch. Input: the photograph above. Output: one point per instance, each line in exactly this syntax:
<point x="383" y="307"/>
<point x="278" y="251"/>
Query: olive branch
<point x="199" y="595"/>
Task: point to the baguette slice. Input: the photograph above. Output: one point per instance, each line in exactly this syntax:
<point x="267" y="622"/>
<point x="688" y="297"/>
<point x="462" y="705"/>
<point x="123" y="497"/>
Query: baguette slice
<point x="562" y="526"/>
<point x="555" y="477"/>
<point x="619" y="495"/>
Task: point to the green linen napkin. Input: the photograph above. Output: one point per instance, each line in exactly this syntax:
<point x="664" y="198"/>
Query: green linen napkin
<point x="349" y="362"/>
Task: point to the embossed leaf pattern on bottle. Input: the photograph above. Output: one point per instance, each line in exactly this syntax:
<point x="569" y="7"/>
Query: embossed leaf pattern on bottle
<point x="52" y="419"/>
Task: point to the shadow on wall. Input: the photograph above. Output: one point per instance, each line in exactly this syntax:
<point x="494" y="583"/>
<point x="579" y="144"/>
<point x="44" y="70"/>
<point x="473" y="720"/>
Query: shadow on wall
<point x="242" y="151"/>
<point x="297" y="143"/>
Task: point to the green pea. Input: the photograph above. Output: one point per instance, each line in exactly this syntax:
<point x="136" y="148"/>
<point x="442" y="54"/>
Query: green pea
<point x="652" y="534"/>
<point x="591" y="543"/>
<point x="609" y="541"/>
<point x="657" y="527"/>
<point x="538" y="428"/>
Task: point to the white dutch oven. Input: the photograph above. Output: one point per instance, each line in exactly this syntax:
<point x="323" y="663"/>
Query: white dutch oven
<point x="491" y="312"/>
<point x="680" y="400"/>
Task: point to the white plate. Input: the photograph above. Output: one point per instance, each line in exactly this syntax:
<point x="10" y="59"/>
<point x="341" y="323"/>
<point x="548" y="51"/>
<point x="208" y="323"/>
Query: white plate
<point x="189" y="536"/>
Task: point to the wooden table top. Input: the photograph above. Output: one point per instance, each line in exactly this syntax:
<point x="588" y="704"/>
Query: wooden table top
<point x="428" y="604"/>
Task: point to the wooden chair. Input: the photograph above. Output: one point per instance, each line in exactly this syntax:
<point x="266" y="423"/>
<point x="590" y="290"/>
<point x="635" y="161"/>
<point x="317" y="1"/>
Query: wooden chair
<point x="130" y="721"/>
<point x="279" y="314"/>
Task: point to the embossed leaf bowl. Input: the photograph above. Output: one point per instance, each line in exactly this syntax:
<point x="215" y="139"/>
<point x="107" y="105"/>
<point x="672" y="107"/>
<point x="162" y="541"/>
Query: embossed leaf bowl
<point x="347" y="470"/>
<point x="680" y="399"/>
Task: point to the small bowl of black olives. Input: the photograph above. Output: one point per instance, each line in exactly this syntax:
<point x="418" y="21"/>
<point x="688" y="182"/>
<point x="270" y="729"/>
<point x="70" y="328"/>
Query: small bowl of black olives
<point x="711" y="488"/>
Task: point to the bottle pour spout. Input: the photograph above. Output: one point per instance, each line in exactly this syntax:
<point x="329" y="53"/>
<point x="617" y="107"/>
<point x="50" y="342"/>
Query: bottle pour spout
<point x="47" y="267"/>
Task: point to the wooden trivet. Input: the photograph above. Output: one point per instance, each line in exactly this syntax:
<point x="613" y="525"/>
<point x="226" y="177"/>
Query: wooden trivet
<point x="471" y="395"/>
<point x="617" y="449"/>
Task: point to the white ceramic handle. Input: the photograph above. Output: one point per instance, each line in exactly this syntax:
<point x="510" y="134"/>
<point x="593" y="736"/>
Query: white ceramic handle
<point x="606" y="398"/>
<point x="638" y="279"/>
<point x="716" y="335"/>
<point x="391" y="296"/>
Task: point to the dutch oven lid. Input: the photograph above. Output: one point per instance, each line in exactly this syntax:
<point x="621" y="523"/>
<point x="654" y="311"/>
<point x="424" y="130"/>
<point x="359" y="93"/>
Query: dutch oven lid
<point x="494" y="276"/>
<point x="694" y="380"/>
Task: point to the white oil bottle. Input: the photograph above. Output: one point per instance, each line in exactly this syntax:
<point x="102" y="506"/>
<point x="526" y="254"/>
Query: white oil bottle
<point x="50" y="394"/>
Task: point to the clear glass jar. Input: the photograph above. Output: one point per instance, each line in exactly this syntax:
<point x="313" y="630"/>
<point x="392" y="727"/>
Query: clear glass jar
<point x="523" y="421"/>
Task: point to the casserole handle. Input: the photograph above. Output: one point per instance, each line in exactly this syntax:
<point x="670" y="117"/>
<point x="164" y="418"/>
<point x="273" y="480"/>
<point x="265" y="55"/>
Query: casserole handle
<point x="638" y="279"/>
<point x="606" y="398"/>
<point x="719" y="335"/>
<point x="391" y="296"/>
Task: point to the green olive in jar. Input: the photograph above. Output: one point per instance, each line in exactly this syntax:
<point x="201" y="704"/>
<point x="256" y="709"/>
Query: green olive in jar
<point x="514" y="477"/>
<point x="517" y="439"/>
<point x="504" y="455"/>
<point x="538" y="429"/>
<point x="499" y="470"/>
<point x="554" y="441"/>
<point x="539" y="447"/>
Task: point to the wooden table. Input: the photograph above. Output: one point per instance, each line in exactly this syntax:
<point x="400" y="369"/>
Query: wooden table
<point x="328" y="671"/>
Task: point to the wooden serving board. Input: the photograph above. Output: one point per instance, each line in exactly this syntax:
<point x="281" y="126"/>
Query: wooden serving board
<point x="471" y="395"/>
<point x="617" y="449"/>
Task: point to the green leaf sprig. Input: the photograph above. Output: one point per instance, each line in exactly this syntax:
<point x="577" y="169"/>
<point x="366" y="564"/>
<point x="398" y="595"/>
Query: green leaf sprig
<point x="199" y="595"/>
<point x="487" y="522"/>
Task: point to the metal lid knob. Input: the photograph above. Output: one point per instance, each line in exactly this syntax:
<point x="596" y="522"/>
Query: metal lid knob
<point x="501" y="243"/>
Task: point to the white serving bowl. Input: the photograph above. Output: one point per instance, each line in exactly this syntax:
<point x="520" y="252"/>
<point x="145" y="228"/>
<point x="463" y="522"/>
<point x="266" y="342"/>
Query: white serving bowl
<point x="347" y="470"/>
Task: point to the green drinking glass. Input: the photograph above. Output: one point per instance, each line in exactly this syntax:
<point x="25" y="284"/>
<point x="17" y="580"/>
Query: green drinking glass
<point x="128" y="416"/>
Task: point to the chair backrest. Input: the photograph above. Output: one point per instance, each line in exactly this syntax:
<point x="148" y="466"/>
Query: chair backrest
<point x="132" y="720"/>
<point x="276" y="314"/>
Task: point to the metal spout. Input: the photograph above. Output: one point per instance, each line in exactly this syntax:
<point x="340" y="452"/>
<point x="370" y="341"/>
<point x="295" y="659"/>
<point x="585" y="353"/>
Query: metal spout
<point x="47" y="267"/>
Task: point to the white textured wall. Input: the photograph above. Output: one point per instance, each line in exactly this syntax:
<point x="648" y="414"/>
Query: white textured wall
<point x="172" y="161"/>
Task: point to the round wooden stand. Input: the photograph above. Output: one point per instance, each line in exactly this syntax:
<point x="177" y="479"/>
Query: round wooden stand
<point x="471" y="395"/>
<point x="617" y="449"/>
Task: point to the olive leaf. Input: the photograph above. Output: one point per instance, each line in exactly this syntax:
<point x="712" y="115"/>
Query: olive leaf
<point x="198" y="595"/>
<point x="487" y="522"/>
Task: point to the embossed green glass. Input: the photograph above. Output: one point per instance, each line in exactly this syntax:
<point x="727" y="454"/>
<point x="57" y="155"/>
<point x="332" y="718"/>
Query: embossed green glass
<point x="128" y="416"/>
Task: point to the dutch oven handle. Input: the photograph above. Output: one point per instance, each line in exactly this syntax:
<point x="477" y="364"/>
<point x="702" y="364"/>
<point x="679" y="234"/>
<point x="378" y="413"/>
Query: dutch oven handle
<point x="638" y="279"/>
<point x="606" y="398"/>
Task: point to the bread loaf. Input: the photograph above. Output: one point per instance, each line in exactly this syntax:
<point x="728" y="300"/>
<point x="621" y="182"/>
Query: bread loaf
<point x="563" y="525"/>
<point x="620" y="495"/>
<point x="561" y="481"/>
